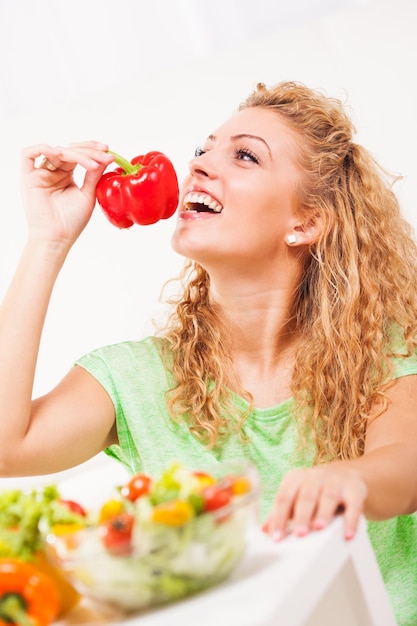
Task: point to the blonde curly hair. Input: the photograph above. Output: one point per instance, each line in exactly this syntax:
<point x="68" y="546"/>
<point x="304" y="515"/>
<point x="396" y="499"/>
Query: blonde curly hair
<point x="359" y="279"/>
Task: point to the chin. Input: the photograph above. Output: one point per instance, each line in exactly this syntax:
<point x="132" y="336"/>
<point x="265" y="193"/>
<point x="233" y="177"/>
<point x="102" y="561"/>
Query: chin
<point x="186" y="244"/>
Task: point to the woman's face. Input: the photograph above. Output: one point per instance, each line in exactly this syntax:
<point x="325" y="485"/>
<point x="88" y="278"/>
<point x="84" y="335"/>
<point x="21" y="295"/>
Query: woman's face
<point x="238" y="202"/>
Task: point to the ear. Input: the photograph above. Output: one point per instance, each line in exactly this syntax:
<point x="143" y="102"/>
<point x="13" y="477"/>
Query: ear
<point x="305" y="233"/>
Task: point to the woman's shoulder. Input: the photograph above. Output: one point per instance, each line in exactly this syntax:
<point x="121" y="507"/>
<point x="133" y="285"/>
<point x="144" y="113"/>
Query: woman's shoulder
<point x="149" y="348"/>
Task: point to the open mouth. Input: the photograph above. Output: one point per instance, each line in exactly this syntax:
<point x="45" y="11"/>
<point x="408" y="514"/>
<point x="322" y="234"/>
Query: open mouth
<point x="201" y="203"/>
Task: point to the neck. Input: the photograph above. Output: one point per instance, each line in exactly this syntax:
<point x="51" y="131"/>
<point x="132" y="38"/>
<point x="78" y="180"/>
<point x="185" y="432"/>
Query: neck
<point x="257" y="301"/>
<point x="263" y="335"/>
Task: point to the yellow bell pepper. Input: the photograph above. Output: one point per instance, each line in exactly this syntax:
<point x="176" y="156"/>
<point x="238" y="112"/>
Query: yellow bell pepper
<point x="174" y="513"/>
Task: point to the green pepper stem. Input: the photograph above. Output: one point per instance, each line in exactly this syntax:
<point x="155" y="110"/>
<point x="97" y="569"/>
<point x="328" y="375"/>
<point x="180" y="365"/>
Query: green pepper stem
<point x="125" y="164"/>
<point x="12" y="607"/>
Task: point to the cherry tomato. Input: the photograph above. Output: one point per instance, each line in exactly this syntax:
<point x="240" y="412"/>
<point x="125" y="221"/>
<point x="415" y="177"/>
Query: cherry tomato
<point x="215" y="497"/>
<point x="116" y="534"/>
<point x="74" y="507"/>
<point x="138" y="486"/>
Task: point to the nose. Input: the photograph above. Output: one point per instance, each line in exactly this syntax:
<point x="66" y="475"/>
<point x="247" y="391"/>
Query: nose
<point x="202" y="166"/>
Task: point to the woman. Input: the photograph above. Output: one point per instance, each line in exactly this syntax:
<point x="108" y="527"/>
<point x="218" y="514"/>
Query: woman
<point x="292" y="344"/>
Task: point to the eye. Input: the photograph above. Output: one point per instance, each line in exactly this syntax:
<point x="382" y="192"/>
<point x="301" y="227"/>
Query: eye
<point x="244" y="154"/>
<point x="198" y="151"/>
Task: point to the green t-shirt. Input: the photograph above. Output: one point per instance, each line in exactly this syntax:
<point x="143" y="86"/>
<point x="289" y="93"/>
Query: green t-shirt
<point x="135" y="378"/>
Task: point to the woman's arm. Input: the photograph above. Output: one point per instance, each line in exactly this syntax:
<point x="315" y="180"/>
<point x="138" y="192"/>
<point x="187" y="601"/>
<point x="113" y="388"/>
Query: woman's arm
<point x="70" y="424"/>
<point x="57" y="211"/>
<point x="382" y="483"/>
<point x="390" y="460"/>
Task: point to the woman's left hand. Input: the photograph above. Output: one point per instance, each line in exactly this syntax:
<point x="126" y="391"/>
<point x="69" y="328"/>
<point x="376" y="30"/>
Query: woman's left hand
<point x="308" y="499"/>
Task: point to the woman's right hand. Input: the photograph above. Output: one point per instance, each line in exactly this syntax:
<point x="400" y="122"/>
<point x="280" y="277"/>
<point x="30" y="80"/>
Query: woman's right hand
<point x="57" y="209"/>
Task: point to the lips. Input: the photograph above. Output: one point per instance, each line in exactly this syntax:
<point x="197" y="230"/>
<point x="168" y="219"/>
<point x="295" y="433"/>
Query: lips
<point x="201" y="202"/>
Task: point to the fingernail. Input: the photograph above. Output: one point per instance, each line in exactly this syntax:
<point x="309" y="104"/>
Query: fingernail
<point x="349" y="534"/>
<point x="300" y="531"/>
<point x="319" y="524"/>
<point x="276" y="536"/>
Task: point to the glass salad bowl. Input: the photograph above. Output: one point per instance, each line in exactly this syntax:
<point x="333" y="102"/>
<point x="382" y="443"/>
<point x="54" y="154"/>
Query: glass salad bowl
<point x="156" y="541"/>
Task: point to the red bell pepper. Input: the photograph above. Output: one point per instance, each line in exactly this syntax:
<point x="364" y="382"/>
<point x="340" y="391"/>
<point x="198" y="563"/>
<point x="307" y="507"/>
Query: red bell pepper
<point x="141" y="191"/>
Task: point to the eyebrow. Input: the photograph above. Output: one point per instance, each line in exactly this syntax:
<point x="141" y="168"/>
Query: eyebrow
<point x="245" y="136"/>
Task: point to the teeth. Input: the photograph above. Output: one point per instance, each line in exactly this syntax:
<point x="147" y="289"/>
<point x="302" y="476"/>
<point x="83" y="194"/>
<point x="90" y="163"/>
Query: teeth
<point x="202" y="198"/>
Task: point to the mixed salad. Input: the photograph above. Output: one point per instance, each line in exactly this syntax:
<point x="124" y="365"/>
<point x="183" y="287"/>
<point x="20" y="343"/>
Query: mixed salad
<point x="31" y="587"/>
<point x="159" y="540"/>
<point x="26" y="516"/>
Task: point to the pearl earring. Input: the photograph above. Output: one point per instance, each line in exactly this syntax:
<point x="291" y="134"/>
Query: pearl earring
<point x="292" y="239"/>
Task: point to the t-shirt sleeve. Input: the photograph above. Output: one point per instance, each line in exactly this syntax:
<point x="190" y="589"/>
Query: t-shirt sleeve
<point x="134" y="375"/>
<point x="99" y="364"/>
<point x="96" y="365"/>
<point x="403" y="365"/>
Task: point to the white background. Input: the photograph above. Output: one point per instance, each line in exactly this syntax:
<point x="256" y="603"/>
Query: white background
<point x="161" y="76"/>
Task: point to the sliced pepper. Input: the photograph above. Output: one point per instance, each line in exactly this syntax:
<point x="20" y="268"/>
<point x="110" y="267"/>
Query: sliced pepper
<point x="110" y="509"/>
<point x="74" y="507"/>
<point x="68" y="595"/>
<point x="27" y="596"/>
<point x="237" y="485"/>
<point x="66" y="529"/>
<point x="142" y="191"/>
<point x="204" y="479"/>
<point x="174" y="513"/>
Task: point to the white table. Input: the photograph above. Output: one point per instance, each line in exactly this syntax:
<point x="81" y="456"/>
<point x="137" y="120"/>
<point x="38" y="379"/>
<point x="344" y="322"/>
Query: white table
<point x="317" y="580"/>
